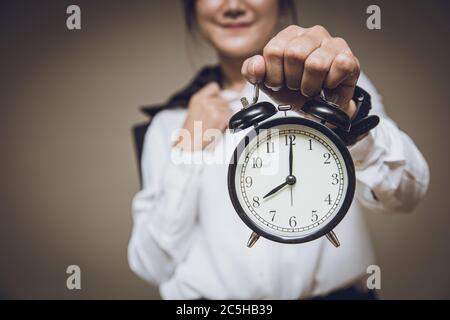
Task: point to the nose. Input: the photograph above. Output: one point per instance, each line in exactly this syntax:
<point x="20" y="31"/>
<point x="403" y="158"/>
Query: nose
<point x="234" y="8"/>
<point x="233" y="4"/>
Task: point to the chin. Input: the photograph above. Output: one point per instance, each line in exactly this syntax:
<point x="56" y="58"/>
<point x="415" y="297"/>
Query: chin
<point x="238" y="48"/>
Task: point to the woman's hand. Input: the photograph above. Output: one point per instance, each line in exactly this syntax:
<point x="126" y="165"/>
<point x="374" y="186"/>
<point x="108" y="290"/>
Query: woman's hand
<point x="298" y="63"/>
<point x="210" y="111"/>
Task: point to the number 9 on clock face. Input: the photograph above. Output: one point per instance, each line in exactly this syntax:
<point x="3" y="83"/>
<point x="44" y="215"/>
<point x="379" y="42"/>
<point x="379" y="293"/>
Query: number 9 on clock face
<point x="291" y="180"/>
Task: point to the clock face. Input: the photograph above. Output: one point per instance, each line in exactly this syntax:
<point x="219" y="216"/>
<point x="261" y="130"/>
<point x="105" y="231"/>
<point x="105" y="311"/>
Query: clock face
<point x="298" y="202"/>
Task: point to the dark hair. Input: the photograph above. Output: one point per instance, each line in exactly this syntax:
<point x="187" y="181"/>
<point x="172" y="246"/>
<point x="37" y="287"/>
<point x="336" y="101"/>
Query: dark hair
<point x="287" y="8"/>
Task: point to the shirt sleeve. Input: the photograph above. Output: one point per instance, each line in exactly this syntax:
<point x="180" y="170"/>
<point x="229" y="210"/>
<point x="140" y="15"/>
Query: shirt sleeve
<point x="165" y="210"/>
<point x="392" y="174"/>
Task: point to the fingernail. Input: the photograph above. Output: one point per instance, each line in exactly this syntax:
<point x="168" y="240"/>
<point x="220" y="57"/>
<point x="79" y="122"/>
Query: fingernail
<point x="304" y="94"/>
<point x="332" y="97"/>
<point x="274" y="88"/>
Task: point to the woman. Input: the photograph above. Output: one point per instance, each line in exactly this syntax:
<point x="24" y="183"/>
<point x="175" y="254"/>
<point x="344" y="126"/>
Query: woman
<point x="187" y="237"/>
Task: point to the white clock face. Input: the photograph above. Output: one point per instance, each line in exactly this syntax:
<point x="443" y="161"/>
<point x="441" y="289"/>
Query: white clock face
<point x="293" y="204"/>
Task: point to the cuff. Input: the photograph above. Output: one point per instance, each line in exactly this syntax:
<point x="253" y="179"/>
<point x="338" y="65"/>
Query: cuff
<point x="375" y="155"/>
<point x="362" y="149"/>
<point x="382" y="144"/>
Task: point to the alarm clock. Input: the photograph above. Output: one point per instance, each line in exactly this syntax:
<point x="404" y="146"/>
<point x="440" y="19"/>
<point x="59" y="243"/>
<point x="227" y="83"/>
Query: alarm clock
<point x="291" y="179"/>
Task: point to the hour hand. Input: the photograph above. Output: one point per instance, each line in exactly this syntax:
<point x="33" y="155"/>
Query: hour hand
<point x="281" y="186"/>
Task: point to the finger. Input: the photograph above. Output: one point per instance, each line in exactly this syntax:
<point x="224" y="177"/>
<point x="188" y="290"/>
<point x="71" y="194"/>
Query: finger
<point x="316" y="68"/>
<point x="254" y="69"/>
<point x="297" y="51"/>
<point x="210" y="89"/>
<point x="318" y="32"/>
<point x="344" y="62"/>
<point x="337" y="45"/>
<point x="273" y="54"/>
<point x="343" y="67"/>
<point x="343" y="76"/>
<point x="244" y="68"/>
<point x="345" y="95"/>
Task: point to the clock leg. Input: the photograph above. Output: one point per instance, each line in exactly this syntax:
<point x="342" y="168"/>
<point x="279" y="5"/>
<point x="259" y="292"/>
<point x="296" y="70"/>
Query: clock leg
<point x="333" y="239"/>
<point x="253" y="238"/>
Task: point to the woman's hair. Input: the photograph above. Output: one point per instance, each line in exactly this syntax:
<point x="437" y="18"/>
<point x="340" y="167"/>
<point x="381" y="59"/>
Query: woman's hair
<point x="287" y="10"/>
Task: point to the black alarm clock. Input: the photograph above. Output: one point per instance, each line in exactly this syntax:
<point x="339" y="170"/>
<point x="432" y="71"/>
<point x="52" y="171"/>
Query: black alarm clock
<point x="292" y="179"/>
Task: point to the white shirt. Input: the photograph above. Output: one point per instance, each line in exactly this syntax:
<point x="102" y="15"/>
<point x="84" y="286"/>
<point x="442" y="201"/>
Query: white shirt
<point x="188" y="239"/>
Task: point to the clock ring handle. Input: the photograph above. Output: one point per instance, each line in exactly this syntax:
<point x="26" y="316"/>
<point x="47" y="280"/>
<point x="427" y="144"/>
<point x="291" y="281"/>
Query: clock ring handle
<point x="327" y="111"/>
<point x="252" y="115"/>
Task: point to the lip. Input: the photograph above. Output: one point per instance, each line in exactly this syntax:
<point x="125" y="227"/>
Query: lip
<point x="236" y="25"/>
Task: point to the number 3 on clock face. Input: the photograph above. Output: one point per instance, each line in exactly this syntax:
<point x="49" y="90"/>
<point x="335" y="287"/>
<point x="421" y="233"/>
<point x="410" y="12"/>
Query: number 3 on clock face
<point x="291" y="180"/>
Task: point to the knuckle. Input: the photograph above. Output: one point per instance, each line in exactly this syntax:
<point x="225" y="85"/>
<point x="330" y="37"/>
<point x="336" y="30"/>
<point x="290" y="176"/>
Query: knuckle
<point x="342" y="42"/>
<point x="319" y="29"/>
<point x="273" y="50"/>
<point x="316" y="65"/>
<point x="293" y="29"/>
<point x="213" y="86"/>
<point x="327" y="43"/>
<point x="345" y="62"/>
<point x="296" y="53"/>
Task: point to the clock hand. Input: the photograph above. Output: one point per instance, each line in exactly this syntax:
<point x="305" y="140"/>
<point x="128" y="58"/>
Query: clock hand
<point x="291" y="161"/>
<point x="290" y="180"/>
<point x="291" y="158"/>
<point x="281" y="186"/>
<point x="292" y="199"/>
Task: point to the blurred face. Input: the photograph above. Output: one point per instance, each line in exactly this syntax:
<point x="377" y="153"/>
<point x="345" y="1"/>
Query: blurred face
<point x="237" y="28"/>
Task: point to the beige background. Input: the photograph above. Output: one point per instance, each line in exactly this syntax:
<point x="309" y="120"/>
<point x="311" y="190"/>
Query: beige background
<point x="68" y="100"/>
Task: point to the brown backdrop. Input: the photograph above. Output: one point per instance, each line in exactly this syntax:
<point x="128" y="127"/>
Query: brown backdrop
<point x="68" y="100"/>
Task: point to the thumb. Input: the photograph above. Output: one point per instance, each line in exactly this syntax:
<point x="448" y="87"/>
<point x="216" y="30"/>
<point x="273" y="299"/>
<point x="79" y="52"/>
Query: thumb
<point x="254" y="69"/>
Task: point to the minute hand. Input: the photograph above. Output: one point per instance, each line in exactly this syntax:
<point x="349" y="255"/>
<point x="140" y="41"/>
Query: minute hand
<point x="281" y="186"/>
<point x="291" y="159"/>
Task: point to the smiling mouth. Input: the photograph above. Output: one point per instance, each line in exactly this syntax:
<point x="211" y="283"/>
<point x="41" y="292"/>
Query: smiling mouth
<point x="236" y="26"/>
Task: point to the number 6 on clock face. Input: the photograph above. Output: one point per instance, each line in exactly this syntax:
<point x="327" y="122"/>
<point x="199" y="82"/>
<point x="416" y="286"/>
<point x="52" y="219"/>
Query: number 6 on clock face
<point x="291" y="180"/>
